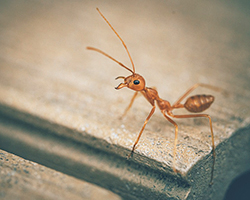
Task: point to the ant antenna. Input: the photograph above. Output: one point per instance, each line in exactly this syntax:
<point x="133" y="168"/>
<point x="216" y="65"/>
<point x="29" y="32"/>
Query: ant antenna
<point x="98" y="50"/>
<point x="120" y="39"/>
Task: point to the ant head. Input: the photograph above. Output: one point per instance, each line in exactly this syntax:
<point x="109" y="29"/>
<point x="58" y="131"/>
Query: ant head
<point x="134" y="82"/>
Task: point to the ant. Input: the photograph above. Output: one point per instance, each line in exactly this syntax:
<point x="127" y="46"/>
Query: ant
<point x="194" y="104"/>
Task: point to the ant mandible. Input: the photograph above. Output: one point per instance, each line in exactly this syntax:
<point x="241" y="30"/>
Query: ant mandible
<point x="194" y="104"/>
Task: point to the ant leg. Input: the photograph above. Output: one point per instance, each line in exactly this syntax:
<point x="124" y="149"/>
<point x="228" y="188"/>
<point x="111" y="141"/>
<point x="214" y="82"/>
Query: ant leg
<point x="176" y="136"/>
<point x="176" y="104"/>
<point x="130" y="104"/>
<point x="146" y="121"/>
<point x="212" y="134"/>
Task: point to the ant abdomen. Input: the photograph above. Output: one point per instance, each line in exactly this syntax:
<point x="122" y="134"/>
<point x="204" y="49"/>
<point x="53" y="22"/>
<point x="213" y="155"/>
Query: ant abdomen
<point x="198" y="103"/>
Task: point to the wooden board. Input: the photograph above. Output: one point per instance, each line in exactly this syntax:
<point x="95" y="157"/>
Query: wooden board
<point x="47" y="75"/>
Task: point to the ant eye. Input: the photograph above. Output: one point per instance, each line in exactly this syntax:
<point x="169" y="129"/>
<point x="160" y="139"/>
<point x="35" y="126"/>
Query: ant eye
<point x="136" y="82"/>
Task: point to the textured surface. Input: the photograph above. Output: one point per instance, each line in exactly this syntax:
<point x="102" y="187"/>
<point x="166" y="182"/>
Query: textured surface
<point x="49" y="79"/>
<point x="22" y="179"/>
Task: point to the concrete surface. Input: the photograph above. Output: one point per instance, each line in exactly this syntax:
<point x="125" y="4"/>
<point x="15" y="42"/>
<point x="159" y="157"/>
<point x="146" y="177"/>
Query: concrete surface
<point x="55" y="94"/>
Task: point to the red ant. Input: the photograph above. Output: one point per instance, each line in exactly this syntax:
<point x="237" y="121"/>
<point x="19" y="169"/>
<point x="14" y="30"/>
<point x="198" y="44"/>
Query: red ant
<point x="194" y="104"/>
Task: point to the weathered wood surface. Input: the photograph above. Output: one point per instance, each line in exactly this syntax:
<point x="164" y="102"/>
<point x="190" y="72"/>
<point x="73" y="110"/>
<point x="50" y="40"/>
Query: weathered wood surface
<point x="23" y="179"/>
<point x="49" y="79"/>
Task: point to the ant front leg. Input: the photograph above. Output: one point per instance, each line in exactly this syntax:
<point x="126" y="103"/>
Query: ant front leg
<point x="212" y="134"/>
<point x="130" y="105"/>
<point x="138" y="138"/>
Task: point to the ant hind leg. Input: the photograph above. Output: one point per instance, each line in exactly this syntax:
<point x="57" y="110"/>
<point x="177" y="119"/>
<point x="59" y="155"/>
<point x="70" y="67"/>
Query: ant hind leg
<point x="212" y="134"/>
